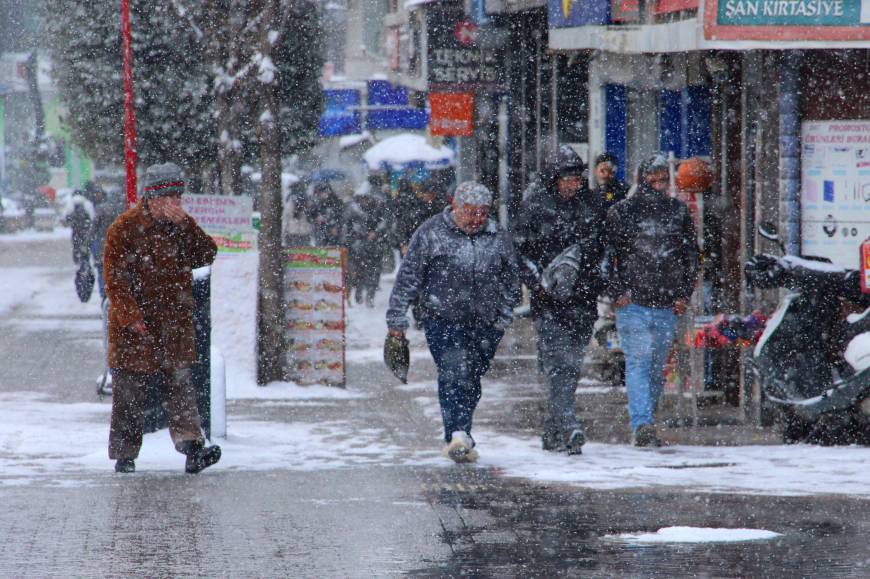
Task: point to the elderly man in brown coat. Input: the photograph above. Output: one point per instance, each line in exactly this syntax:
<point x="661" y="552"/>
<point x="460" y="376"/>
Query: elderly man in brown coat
<point x="150" y="252"/>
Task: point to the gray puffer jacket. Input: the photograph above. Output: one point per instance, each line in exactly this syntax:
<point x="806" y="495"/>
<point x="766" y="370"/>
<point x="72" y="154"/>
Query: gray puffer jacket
<point x="455" y="277"/>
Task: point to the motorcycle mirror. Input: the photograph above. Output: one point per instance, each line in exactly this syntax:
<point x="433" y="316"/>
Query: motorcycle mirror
<point x="768" y="231"/>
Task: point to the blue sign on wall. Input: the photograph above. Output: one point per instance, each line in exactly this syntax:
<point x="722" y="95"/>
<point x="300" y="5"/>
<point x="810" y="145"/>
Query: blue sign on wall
<point x="399" y="115"/>
<point x="568" y="13"/>
<point x="341" y="114"/>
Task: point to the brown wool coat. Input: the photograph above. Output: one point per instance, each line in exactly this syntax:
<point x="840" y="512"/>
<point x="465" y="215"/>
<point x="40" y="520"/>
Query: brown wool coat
<point x="147" y="269"/>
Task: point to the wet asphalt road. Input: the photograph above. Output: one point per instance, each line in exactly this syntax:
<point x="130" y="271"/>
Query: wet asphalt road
<point x="376" y="520"/>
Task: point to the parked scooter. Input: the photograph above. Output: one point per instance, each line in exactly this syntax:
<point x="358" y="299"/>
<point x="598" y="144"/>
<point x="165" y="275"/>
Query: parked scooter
<point x="813" y="367"/>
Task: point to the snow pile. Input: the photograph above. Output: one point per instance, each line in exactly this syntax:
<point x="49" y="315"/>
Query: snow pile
<point x="407" y="149"/>
<point x="697" y="535"/>
<point x="355" y="139"/>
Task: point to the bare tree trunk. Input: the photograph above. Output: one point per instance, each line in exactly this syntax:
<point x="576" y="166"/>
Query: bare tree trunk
<point x="270" y="296"/>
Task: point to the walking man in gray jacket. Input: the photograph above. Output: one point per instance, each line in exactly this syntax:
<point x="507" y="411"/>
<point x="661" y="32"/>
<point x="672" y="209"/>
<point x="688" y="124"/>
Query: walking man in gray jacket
<point x="461" y="270"/>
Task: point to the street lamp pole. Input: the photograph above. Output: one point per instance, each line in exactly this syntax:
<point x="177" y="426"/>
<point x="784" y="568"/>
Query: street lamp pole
<point x="129" y="104"/>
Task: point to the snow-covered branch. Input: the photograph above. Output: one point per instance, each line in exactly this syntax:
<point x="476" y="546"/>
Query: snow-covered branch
<point x="183" y="13"/>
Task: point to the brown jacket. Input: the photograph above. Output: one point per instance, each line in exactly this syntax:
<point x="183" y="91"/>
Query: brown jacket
<point x="147" y="269"/>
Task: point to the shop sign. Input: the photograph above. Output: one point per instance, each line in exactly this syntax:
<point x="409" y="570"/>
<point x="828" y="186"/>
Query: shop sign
<point x="452" y="114"/>
<point x="787" y="20"/>
<point x="666" y="6"/>
<point x="835" y="189"/>
<point x="570" y="13"/>
<point x="454" y="58"/>
<point x="226" y="218"/>
<point x="314" y="309"/>
<point x="625" y="11"/>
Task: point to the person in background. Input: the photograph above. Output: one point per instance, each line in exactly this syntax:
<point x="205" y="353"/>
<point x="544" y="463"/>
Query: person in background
<point x="78" y="217"/>
<point x="462" y="270"/>
<point x="151" y="251"/>
<point x="324" y="214"/>
<point x="295" y="228"/>
<point x="426" y="202"/>
<point x="653" y="255"/>
<point x="563" y="214"/>
<point x="608" y="189"/>
<point x="106" y="209"/>
<point x="364" y="233"/>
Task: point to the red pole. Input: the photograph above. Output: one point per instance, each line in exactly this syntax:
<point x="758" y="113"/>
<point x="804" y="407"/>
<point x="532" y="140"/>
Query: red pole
<point x="129" y="104"/>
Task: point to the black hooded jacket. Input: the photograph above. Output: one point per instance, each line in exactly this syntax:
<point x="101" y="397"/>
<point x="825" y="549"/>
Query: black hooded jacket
<point x="549" y="224"/>
<point x="652" y="249"/>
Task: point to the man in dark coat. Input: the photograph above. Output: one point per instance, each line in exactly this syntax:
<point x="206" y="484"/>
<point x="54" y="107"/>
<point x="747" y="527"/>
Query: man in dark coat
<point x="653" y="264"/>
<point x="417" y="209"/>
<point x="106" y="210"/>
<point x="150" y="252"/>
<point x="562" y="215"/>
<point x="608" y="189"/>
<point x="324" y="213"/>
<point x="78" y="218"/>
<point x="462" y="271"/>
<point x="364" y="233"/>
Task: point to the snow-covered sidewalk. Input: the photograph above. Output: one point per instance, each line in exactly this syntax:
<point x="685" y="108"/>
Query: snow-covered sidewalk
<point x="60" y="443"/>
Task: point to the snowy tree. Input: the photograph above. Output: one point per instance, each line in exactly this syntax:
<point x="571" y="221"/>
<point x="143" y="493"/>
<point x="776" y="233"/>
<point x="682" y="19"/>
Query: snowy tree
<point x="172" y="81"/>
<point x="195" y="66"/>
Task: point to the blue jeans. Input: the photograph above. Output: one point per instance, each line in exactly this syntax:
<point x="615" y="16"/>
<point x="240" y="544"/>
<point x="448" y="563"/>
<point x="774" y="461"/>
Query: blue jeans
<point x="462" y="354"/>
<point x="646" y="335"/>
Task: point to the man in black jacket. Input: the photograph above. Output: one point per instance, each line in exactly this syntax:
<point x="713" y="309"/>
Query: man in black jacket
<point x="653" y="264"/>
<point x="416" y="209"/>
<point x="608" y="189"/>
<point x="562" y="215"/>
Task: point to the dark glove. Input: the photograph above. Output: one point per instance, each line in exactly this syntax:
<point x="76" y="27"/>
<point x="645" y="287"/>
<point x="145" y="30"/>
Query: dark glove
<point x="764" y="271"/>
<point x="397" y="356"/>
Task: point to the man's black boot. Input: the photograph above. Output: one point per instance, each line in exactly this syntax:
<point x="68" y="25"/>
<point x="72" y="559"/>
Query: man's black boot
<point x="200" y="457"/>
<point x="553" y="441"/>
<point x="125" y="465"/>
<point x="575" y="441"/>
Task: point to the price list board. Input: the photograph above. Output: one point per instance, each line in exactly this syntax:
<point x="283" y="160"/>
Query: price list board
<point x="314" y="314"/>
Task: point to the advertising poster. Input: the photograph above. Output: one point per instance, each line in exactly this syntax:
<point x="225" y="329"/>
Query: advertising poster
<point x="314" y="301"/>
<point x="226" y="218"/>
<point x="835" y="189"/>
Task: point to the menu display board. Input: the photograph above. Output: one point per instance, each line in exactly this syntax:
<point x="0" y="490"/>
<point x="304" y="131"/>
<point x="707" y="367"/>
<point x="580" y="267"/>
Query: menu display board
<point x="314" y="312"/>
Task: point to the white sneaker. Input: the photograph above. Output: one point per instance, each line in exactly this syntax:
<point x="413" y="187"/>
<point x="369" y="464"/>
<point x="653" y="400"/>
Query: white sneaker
<point x="461" y="448"/>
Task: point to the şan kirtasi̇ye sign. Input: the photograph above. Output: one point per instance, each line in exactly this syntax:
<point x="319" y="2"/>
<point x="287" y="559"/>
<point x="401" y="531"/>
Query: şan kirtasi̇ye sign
<point x="787" y="20"/>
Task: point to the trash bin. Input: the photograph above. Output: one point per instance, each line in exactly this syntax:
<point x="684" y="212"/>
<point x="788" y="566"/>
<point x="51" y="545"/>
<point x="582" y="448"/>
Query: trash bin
<point x="155" y="413"/>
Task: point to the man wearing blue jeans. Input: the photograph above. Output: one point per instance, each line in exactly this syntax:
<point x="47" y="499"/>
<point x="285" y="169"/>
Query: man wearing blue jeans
<point x="461" y="271"/>
<point x="653" y="253"/>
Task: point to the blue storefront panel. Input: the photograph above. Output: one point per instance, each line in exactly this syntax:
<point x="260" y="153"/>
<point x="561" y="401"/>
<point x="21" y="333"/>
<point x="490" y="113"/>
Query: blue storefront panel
<point x="341" y="115"/>
<point x="570" y="13"/>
